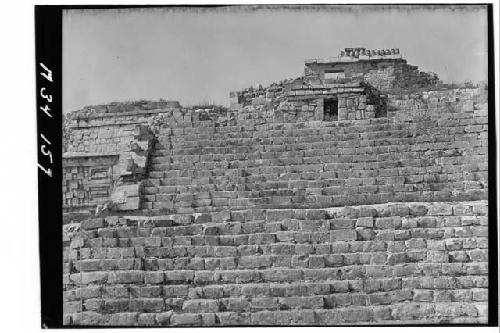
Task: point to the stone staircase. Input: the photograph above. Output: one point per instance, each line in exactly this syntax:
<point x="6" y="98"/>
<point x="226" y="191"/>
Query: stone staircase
<point x="313" y="165"/>
<point x="381" y="264"/>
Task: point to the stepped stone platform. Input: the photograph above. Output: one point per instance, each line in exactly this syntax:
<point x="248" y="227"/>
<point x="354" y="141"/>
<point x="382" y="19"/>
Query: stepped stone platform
<point x="382" y="264"/>
<point x="356" y="194"/>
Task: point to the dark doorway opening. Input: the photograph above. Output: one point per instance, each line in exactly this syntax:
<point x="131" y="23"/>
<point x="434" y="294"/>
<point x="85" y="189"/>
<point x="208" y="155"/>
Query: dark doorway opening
<point x="330" y="109"/>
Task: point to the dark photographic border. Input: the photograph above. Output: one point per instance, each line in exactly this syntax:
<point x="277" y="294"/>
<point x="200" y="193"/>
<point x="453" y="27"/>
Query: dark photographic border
<point x="48" y="59"/>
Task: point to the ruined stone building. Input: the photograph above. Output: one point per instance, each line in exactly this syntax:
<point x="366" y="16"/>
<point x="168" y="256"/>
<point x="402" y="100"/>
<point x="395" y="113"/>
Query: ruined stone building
<point x="355" y="194"/>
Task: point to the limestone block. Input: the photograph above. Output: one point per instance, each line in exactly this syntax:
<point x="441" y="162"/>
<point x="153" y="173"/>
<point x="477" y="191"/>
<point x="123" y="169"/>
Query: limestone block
<point x="343" y="114"/>
<point x="121" y="192"/>
<point x="131" y="203"/>
<point x="126" y="197"/>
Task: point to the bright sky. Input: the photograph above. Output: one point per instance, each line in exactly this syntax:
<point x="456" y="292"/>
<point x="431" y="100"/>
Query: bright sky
<point x="200" y="55"/>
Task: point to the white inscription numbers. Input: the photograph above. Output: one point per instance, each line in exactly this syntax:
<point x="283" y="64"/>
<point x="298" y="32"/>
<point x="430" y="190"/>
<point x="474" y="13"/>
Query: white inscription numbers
<point x="47" y="74"/>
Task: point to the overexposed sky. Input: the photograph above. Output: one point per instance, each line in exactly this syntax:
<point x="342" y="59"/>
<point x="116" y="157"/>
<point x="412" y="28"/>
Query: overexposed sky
<point x="199" y="55"/>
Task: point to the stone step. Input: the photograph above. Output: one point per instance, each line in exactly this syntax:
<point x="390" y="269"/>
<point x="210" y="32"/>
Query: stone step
<point x="386" y="315"/>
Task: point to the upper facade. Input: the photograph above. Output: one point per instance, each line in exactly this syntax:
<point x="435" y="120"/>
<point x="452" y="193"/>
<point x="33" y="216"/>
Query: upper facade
<point x="383" y="69"/>
<point x="352" y="86"/>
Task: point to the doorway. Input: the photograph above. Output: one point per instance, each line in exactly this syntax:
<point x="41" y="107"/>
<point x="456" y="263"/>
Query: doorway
<point x="330" y="109"/>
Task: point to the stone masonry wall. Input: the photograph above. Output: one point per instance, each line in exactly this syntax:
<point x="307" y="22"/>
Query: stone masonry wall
<point x="115" y="147"/>
<point x="381" y="264"/>
<point x="427" y="149"/>
<point x="269" y="213"/>
<point x="431" y="146"/>
<point x="88" y="180"/>
<point x="384" y="75"/>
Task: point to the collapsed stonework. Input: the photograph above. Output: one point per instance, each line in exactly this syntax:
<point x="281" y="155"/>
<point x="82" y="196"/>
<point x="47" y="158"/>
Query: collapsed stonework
<point x="355" y="194"/>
